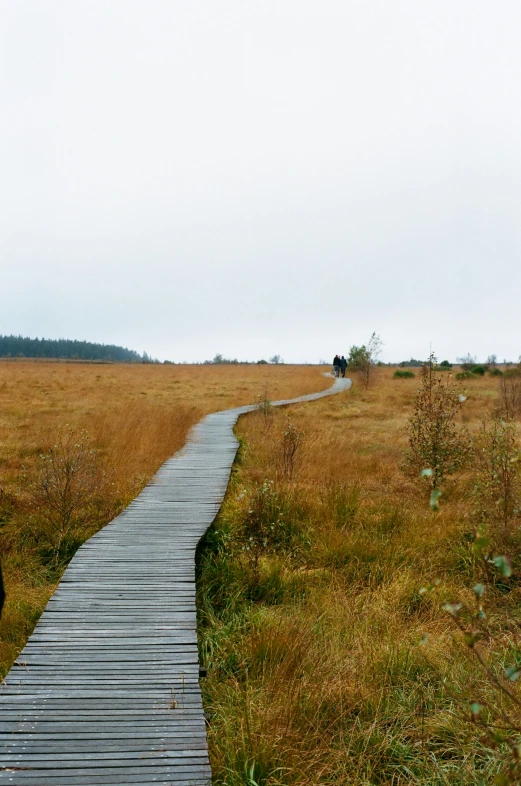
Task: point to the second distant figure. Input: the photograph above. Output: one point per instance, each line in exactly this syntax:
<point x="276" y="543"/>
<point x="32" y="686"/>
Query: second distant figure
<point x="343" y="365"/>
<point x="337" y="365"/>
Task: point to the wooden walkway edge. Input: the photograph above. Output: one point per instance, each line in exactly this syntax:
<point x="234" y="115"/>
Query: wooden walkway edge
<point x="106" y="690"/>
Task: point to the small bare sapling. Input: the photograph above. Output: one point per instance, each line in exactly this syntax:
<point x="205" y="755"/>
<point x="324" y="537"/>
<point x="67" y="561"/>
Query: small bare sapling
<point x="436" y="441"/>
<point x="66" y="481"/>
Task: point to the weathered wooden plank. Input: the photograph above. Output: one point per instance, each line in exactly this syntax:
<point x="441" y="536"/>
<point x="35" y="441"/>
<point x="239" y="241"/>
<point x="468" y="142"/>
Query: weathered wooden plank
<point x="89" y="719"/>
<point x="169" y="773"/>
<point x="90" y="749"/>
<point x="166" y="764"/>
<point x="184" y="675"/>
<point x="102" y="678"/>
<point x="146" y="653"/>
<point x="101" y="758"/>
<point x="66" y="779"/>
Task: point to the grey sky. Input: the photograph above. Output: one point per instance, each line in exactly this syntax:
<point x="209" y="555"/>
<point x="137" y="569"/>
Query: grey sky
<point x="279" y="176"/>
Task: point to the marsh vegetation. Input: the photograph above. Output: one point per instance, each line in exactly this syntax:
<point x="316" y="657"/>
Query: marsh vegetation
<point x="79" y="441"/>
<point x="339" y="615"/>
<point x="351" y="632"/>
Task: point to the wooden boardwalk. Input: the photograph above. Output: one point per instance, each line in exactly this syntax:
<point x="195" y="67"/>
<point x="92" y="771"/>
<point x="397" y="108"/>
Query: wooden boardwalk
<point x="106" y="690"/>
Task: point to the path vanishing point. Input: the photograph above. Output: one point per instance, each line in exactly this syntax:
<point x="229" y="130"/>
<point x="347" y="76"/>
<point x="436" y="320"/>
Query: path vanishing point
<point x="106" y="690"/>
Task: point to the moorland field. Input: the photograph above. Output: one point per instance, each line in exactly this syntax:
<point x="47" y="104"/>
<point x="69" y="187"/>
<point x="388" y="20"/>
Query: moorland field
<point x="130" y="418"/>
<point x="330" y="658"/>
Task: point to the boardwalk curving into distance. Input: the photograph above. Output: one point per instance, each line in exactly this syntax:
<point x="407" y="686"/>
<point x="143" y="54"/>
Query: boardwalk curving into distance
<point x="106" y="690"/>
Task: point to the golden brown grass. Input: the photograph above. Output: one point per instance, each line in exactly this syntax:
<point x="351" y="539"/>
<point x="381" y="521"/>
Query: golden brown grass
<point x="316" y="673"/>
<point x="135" y="415"/>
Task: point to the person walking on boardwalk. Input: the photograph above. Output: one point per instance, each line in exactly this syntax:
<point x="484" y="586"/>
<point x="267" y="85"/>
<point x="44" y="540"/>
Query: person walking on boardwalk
<point x="336" y="365"/>
<point x="343" y="365"/>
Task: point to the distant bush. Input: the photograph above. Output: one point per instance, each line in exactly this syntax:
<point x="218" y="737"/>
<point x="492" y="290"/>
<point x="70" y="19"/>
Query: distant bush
<point x="412" y="363"/>
<point x="363" y="359"/>
<point x="495" y="372"/>
<point x="480" y="369"/>
<point x="219" y="360"/>
<point x="467" y="362"/>
<point x="403" y="374"/>
<point x="445" y="364"/>
<point x="465" y="375"/>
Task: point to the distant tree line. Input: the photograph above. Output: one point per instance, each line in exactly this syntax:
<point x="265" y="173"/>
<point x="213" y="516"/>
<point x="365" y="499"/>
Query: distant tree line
<point x="468" y="363"/>
<point x="413" y="363"/>
<point x="67" y="349"/>
<point x="219" y="360"/>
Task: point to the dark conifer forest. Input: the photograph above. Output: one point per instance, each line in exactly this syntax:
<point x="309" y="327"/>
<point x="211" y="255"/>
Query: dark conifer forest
<point x="67" y="349"/>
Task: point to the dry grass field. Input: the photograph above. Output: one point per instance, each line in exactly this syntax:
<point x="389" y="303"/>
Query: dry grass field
<point x="330" y="659"/>
<point x="320" y="587"/>
<point x="131" y="417"/>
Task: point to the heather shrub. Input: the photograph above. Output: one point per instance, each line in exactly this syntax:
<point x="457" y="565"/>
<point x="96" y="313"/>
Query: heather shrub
<point x="480" y="370"/>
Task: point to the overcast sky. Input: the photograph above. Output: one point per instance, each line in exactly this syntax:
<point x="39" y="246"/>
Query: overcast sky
<point x="253" y="177"/>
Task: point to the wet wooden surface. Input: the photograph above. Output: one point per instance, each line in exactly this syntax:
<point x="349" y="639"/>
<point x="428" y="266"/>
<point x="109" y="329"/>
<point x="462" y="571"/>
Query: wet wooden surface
<point x="106" y="690"/>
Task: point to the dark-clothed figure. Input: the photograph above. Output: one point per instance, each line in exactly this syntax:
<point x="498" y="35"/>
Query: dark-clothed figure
<point x="336" y="365"/>
<point x="343" y="365"/>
